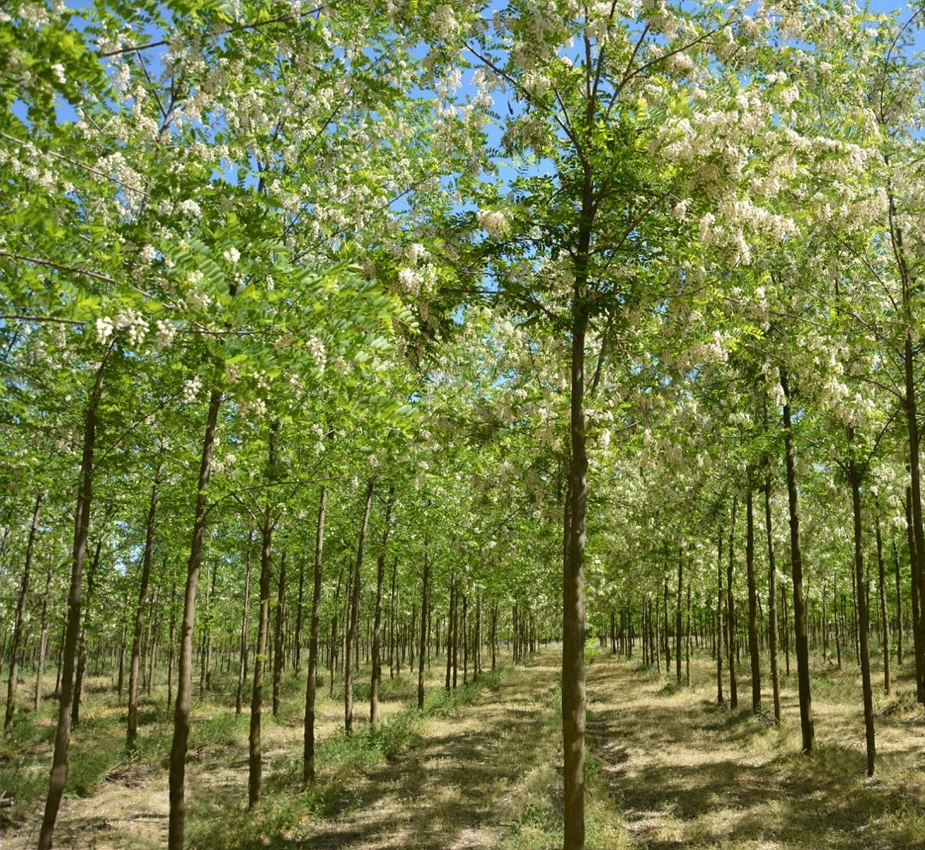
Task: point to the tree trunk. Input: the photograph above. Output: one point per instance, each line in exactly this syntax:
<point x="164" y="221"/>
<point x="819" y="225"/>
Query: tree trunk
<point x="297" y="638"/>
<point x="753" y="649"/>
<point x="678" y="619"/>
<point x="915" y="497"/>
<point x="884" y="611"/>
<point x="82" y="644"/>
<point x="392" y="635"/>
<point x="796" y="562"/>
<point x="425" y="608"/>
<point x="899" y="604"/>
<point x="731" y="614"/>
<point x="772" y="597"/>
<point x="255" y="767"/>
<point x="181" y="719"/>
<point x="243" y="647"/>
<point x="863" y="613"/>
<point x="20" y="616"/>
<point x="43" y="642"/>
<point x="132" y="732"/>
<point x="574" y="699"/>
<point x="377" y="625"/>
<point x="354" y="615"/>
<point x="311" y="685"/>
<point x="917" y="635"/>
<point x="720" y="650"/>
<point x="59" y="764"/>
<point x="278" y="634"/>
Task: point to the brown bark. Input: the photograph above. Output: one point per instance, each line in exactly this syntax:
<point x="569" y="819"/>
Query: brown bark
<point x="731" y="614"/>
<point x="12" y="682"/>
<point x="181" y="720"/>
<point x="796" y="563"/>
<point x="425" y="609"/>
<point x="574" y="699"/>
<point x="132" y="731"/>
<point x="753" y="651"/>
<point x="354" y="615"/>
<point x="278" y="634"/>
<point x="255" y="766"/>
<point x="58" y="778"/>
<point x="719" y="620"/>
<point x="43" y="642"/>
<point x="377" y="624"/>
<point x="772" y="598"/>
<point x="678" y="619"/>
<point x="884" y="611"/>
<point x="863" y="613"/>
<point x="245" y="610"/>
<point x="311" y="684"/>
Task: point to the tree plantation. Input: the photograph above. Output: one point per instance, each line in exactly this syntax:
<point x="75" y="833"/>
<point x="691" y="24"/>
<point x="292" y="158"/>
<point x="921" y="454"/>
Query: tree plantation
<point x="461" y="425"/>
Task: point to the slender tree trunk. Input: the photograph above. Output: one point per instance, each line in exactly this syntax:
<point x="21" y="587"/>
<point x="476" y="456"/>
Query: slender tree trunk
<point x="392" y="636"/>
<point x="255" y="766"/>
<point x="884" y="610"/>
<point x="425" y="610"/>
<point x="181" y="720"/>
<point x="297" y="639"/>
<point x="82" y="651"/>
<point x="678" y="619"/>
<point x="753" y="650"/>
<point x="687" y="641"/>
<point x="719" y="621"/>
<point x="772" y="597"/>
<point x="243" y="647"/>
<point x="730" y="613"/>
<point x="377" y="625"/>
<point x="278" y="634"/>
<point x="917" y="635"/>
<point x="796" y="562"/>
<point x="59" y="765"/>
<point x="863" y="613"/>
<point x="915" y="497"/>
<point x="20" y="616"/>
<point x="355" y="615"/>
<point x="132" y="732"/>
<point x="311" y="686"/>
<point x="899" y="604"/>
<point x="43" y="642"/>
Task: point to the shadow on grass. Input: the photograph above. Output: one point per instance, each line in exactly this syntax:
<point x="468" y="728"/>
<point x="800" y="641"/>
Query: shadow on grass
<point x="689" y="774"/>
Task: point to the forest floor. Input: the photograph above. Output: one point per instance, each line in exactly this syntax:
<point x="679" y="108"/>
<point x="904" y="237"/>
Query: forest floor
<point x="667" y="769"/>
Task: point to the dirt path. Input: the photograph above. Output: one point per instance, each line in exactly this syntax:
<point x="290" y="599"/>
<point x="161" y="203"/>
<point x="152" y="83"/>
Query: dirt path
<point x="686" y="773"/>
<point x="452" y="791"/>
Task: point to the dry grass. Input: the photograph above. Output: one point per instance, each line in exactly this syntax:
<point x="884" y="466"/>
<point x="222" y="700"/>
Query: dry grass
<point x="667" y="769"/>
<point x="690" y="774"/>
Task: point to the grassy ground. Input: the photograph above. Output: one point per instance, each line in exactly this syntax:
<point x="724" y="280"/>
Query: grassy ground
<point x="667" y="769"/>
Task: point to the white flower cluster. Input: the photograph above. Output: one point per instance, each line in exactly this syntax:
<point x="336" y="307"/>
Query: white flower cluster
<point x="316" y="348"/>
<point x="493" y="221"/>
<point x="443" y="23"/>
<point x="409" y="281"/>
<point x="104" y="329"/>
<point x="189" y="207"/>
<point x="164" y="332"/>
<point x="232" y="255"/>
<point x="148" y="254"/>
<point x="416" y="252"/>
<point x="191" y="389"/>
<point x="136" y="325"/>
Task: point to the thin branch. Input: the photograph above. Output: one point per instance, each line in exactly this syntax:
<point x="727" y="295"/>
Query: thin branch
<point x="58" y="267"/>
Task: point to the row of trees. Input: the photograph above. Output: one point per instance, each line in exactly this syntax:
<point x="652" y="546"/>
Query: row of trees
<point x="462" y="261"/>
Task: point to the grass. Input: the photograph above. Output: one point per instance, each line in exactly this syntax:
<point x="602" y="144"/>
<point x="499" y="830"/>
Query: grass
<point x="482" y="767"/>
